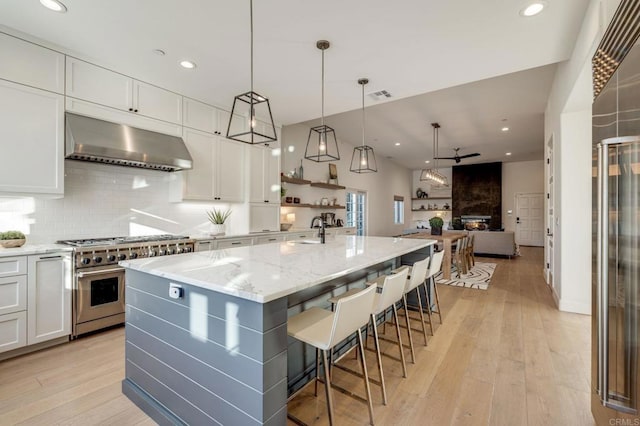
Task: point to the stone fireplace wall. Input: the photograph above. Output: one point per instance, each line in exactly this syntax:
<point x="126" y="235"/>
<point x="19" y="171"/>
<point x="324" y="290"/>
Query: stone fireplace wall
<point x="477" y="191"/>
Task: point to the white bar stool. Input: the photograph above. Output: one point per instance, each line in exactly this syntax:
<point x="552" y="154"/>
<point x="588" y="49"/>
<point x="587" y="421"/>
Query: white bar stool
<point x="390" y="292"/>
<point x="434" y="269"/>
<point x="417" y="276"/>
<point x="324" y="329"/>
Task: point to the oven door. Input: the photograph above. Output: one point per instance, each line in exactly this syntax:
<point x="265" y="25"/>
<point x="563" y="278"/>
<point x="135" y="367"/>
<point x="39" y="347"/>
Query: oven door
<point x="99" y="293"/>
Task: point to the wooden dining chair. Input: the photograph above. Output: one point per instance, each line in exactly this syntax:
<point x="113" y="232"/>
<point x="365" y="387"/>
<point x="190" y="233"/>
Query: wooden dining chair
<point x="459" y="257"/>
<point x="470" y="257"/>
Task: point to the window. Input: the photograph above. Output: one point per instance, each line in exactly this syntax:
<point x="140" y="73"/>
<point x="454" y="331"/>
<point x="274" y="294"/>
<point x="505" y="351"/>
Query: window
<point x="398" y="210"/>
<point x="356" y="203"/>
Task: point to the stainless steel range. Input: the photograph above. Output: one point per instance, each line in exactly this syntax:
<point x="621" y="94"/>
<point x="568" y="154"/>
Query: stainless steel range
<point x="98" y="285"/>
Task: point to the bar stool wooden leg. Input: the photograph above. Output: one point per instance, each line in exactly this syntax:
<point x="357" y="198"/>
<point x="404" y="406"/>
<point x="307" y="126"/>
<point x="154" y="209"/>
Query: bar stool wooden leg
<point x="395" y="317"/>
<point x="327" y="385"/>
<point x="315" y="385"/>
<point x="435" y="291"/>
<point x="406" y="317"/>
<point x="376" y="343"/>
<point x="424" y="328"/>
<point x="365" y="374"/>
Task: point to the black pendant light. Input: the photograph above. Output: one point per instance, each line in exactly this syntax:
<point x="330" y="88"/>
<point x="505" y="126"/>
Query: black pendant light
<point x="433" y="175"/>
<point x="247" y="107"/>
<point x="363" y="159"/>
<point x="322" y="144"/>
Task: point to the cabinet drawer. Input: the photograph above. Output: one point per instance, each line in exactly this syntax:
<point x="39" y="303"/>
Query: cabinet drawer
<point x="13" y="331"/>
<point x="10" y="266"/>
<point x="203" y="245"/>
<point x="268" y="239"/>
<point x="300" y="236"/>
<point x="13" y="294"/>
<point x="233" y="243"/>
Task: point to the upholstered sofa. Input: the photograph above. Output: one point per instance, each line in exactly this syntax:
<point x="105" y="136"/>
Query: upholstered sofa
<point x="494" y="243"/>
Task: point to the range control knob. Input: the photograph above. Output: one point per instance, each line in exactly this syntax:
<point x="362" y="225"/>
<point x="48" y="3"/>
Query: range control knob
<point x="152" y="253"/>
<point x="85" y="261"/>
<point x="187" y="249"/>
<point x="122" y="256"/>
<point x="133" y="256"/>
<point x="179" y="250"/>
<point x="97" y="259"/>
<point x="172" y="251"/>
<point x="111" y="258"/>
<point x="163" y="252"/>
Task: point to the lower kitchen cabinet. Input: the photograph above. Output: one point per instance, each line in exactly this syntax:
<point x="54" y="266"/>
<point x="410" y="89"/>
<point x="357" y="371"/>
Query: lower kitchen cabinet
<point x="13" y="331"/>
<point x="35" y="299"/>
<point x="264" y="217"/>
<point x="49" y="297"/>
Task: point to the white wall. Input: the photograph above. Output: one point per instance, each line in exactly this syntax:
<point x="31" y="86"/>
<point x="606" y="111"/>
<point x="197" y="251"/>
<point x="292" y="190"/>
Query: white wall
<point x="102" y="201"/>
<point x="380" y="187"/>
<point x="568" y="122"/>
<point x="519" y="177"/>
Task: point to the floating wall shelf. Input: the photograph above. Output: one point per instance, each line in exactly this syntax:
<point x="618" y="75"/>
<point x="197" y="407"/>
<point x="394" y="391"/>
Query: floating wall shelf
<point x="431" y="198"/>
<point x="312" y="206"/>
<point x="327" y="185"/>
<point x="294" y="181"/>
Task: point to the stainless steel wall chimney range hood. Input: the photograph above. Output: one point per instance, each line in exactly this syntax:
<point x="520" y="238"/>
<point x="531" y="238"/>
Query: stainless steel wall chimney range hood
<point x="89" y="139"/>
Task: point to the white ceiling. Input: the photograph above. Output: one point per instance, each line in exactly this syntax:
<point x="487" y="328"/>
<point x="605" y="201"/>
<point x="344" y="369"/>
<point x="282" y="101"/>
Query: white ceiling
<point x="408" y="47"/>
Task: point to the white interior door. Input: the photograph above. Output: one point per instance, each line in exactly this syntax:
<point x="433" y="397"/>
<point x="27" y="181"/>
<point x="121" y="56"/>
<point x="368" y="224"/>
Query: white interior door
<point x="530" y="219"/>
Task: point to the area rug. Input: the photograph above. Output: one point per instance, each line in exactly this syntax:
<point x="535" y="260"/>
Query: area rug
<point x="478" y="277"/>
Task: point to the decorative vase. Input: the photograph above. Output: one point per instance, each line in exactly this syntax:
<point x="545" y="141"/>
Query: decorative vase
<point x="436" y="231"/>
<point x="12" y="243"/>
<point x="217" y="229"/>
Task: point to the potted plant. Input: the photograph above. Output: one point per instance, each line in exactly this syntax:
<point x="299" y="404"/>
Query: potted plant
<point x="12" y="239"/>
<point x="436" y="224"/>
<point x="217" y="219"/>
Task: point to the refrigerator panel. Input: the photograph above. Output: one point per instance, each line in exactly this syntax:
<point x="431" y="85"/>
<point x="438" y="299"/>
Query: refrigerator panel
<point x="618" y="273"/>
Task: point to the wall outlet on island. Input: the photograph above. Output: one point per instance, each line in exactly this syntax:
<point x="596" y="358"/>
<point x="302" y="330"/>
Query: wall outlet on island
<point x="175" y="291"/>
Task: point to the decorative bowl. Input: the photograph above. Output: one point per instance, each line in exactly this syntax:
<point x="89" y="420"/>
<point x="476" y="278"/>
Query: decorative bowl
<point x="12" y="243"/>
<point x="285" y="226"/>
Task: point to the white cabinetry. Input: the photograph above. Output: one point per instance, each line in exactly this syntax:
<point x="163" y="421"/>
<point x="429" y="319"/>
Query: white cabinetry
<point x="264" y="167"/>
<point x="49" y="297"/>
<point x="27" y="63"/>
<point x="264" y="217"/>
<point x="267" y="239"/>
<point x="101" y="86"/>
<point x="13" y="303"/>
<point x="234" y="242"/>
<point x="32" y="135"/>
<point x="218" y="168"/>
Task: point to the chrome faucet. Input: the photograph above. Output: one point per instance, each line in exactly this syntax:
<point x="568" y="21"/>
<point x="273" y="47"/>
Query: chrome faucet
<point x="321" y="230"/>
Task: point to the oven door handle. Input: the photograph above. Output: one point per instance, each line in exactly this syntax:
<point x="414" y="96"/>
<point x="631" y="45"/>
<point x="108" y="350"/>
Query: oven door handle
<point x="102" y="271"/>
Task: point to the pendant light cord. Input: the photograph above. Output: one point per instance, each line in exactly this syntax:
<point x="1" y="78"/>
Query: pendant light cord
<point x="322" y="115"/>
<point x="363" y="114"/>
<point x="251" y="20"/>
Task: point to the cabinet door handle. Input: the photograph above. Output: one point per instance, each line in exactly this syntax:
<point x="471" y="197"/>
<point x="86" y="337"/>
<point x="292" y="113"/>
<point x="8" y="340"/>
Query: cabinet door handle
<point x="135" y="110"/>
<point x="50" y="257"/>
<point x="131" y="109"/>
<point x="236" y="243"/>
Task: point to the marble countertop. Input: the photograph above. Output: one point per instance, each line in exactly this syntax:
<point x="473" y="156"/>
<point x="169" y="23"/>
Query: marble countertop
<point x="208" y="237"/>
<point x="262" y="273"/>
<point x="28" y="249"/>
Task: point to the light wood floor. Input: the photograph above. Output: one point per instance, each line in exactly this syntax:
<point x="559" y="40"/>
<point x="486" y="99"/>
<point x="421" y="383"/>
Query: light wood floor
<point x="505" y="356"/>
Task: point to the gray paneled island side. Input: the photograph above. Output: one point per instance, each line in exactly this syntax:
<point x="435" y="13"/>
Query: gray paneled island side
<point x="218" y="351"/>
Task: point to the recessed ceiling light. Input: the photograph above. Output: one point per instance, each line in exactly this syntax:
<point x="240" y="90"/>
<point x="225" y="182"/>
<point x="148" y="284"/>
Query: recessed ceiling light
<point x="508" y="153"/>
<point x="54" y="5"/>
<point x="397" y="144"/>
<point x="533" y="9"/>
<point x="505" y="129"/>
<point x="159" y="52"/>
<point x="427" y="162"/>
<point x="188" y="65"/>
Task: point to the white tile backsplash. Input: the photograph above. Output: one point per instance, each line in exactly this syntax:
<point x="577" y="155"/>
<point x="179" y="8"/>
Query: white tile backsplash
<point x="103" y="200"/>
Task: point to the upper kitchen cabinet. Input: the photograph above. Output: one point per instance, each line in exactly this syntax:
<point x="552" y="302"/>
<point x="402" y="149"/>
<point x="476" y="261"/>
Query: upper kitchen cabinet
<point x="32" y="135"/>
<point x="264" y="166"/>
<point x="218" y="168"/>
<point x="92" y="83"/>
<point x="32" y="65"/>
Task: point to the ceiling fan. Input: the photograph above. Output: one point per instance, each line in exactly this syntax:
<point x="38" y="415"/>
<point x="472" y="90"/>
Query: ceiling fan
<point x="458" y="157"/>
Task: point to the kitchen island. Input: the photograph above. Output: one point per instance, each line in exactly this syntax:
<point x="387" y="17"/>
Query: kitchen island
<point x="206" y="332"/>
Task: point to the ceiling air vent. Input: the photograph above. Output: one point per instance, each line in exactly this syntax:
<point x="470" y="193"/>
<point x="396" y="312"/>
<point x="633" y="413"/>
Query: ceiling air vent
<point x="380" y="95"/>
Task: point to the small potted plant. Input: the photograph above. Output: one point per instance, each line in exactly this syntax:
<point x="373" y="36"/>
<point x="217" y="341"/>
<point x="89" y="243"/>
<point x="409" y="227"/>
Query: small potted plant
<point x="217" y="219"/>
<point x="436" y="224"/>
<point x="11" y="239"/>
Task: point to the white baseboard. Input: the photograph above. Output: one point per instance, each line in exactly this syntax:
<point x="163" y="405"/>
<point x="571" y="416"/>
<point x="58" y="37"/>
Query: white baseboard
<point x="574" y="307"/>
<point x="556" y="298"/>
